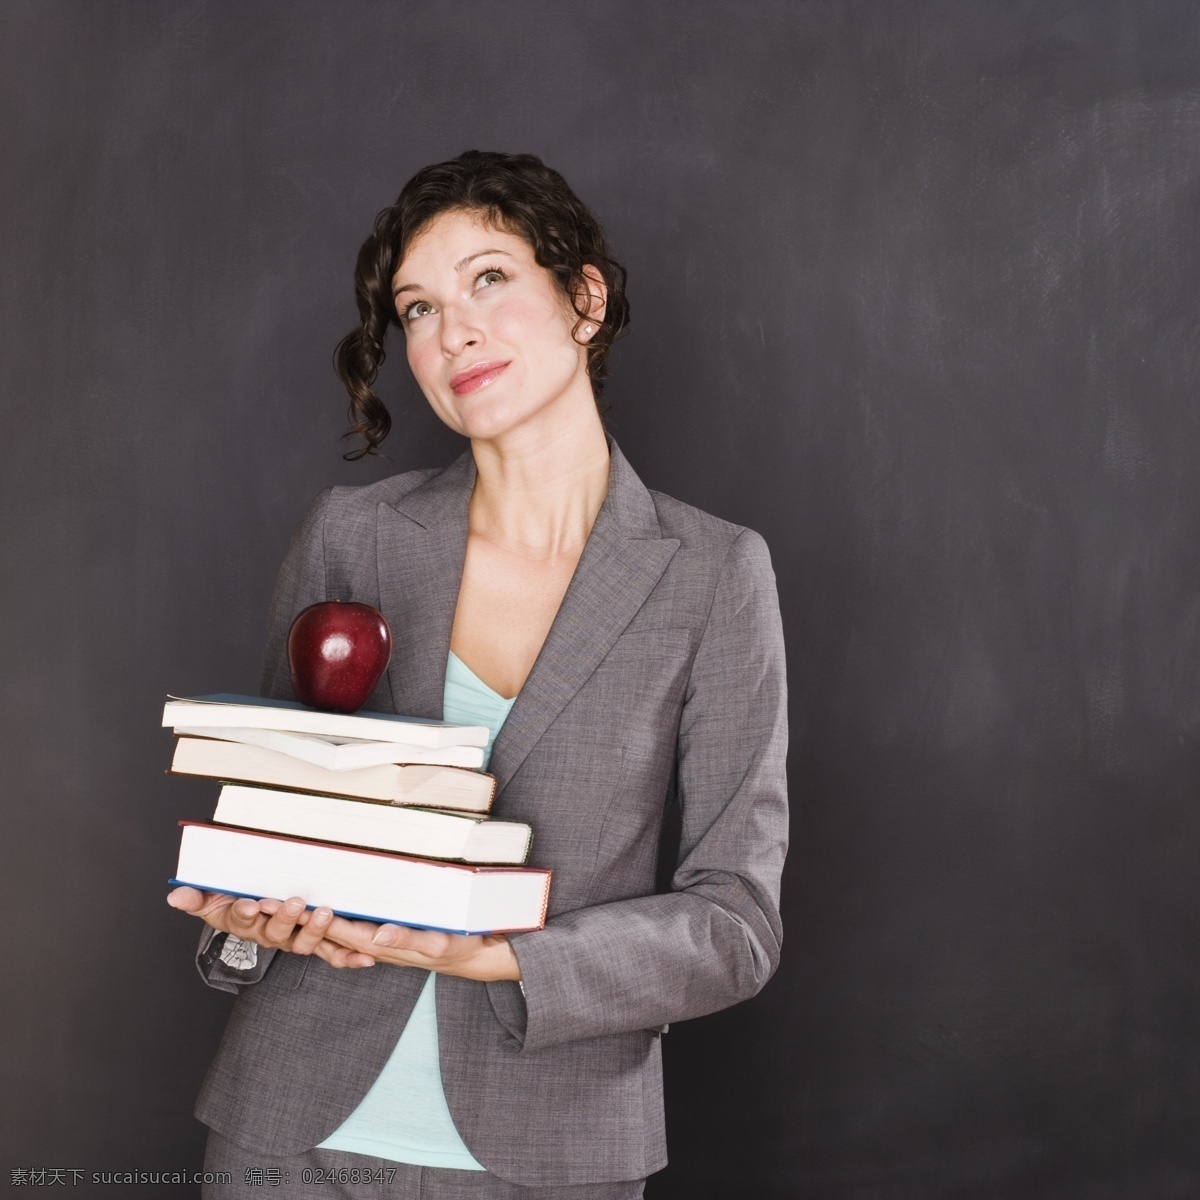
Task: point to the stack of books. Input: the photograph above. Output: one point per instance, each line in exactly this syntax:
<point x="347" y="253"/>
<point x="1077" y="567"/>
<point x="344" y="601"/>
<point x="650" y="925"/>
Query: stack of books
<point x="372" y="815"/>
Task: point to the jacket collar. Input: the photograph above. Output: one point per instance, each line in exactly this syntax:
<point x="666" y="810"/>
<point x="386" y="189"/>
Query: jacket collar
<point x="422" y="541"/>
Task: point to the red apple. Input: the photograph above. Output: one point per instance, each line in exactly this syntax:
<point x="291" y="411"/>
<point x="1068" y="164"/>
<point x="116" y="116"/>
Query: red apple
<point x="338" y="651"/>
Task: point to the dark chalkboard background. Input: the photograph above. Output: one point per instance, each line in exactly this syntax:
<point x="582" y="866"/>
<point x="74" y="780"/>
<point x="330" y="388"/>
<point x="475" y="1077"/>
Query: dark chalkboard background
<point x="915" y="295"/>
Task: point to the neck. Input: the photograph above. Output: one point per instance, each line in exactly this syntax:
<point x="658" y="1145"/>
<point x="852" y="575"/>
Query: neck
<point x="537" y="493"/>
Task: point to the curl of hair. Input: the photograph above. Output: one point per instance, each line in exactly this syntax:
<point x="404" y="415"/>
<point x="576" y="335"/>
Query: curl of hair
<point x="517" y="193"/>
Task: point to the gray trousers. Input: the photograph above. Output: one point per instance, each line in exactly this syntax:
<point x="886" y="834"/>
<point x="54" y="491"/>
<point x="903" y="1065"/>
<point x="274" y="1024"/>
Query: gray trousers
<point x="329" y="1174"/>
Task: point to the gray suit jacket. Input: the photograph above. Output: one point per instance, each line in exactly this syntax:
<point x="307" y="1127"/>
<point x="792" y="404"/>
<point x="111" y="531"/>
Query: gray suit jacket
<point x="661" y="681"/>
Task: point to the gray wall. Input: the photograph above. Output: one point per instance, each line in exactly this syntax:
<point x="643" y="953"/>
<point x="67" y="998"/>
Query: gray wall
<point x="914" y="294"/>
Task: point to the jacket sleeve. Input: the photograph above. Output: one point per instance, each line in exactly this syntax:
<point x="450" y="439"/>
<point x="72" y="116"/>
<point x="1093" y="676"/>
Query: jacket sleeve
<point x="714" y="938"/>
<point x="301" y="582"/>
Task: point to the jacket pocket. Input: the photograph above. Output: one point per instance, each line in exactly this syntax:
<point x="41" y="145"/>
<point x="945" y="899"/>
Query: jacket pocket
<point x="508" y="1007"/>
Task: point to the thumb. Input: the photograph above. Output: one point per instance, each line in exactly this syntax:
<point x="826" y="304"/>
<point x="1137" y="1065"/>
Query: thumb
<point x="186" y="899"/>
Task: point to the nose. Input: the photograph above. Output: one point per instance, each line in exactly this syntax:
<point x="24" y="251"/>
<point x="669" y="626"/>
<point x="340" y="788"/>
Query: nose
<point x="458" y="331"/>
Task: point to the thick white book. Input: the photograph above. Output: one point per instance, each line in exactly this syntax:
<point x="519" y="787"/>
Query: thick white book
<point x="425" y="786"/>
<point x="368" y="884"/>
<point x="374" y="826"/>
<point x="339" y="754"/>
<point x="253" y="712"/>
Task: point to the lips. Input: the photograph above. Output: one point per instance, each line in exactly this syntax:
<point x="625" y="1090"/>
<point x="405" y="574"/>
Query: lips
<point x="473" y="378"/>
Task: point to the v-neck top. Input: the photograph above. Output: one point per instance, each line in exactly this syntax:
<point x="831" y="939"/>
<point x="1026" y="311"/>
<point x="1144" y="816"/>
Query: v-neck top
<point x="404" y="1117"/>
<point x="467" y="700"/>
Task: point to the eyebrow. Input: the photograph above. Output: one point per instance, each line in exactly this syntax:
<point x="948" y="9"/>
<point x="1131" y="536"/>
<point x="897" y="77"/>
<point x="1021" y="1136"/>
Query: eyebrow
<point x="458" y="266"/>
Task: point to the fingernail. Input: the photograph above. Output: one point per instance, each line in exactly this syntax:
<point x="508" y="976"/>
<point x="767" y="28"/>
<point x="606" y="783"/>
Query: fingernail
<point x="321" y="916"/>
<point x="384" y="937"/>
<point x="294" y="906"/>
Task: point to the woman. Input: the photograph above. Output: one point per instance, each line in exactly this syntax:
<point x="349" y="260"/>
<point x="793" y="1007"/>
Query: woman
<point x="627" y="649"/>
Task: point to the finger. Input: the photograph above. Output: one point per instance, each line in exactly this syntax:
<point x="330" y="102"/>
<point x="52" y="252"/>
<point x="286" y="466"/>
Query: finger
<point x="363" y="935"/>
<point x="186" y="899"/>
<point x="349" y="958"/>
<point x="340" y="956"/>
<point x="243" y="918"/>
<point x="213" y="907"/>
<point x="312" y="932"/>
<point x="357" y="930"/>
<point x="395" y="937"/>
<point x="416" y="947"/>
<point x="356" y="935"/>
<point x="428" y="943"/>
<point x="281" y="926"/>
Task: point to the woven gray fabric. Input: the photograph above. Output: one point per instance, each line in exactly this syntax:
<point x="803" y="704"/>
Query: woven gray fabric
<point x="334" y="1175"/>
<point x="661" y="681"/>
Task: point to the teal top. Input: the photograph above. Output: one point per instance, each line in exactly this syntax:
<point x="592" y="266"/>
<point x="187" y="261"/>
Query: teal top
<point x="404" y="1117"/>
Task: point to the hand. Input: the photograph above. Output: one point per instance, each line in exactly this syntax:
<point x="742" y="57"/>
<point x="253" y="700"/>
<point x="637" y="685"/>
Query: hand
<point x="270" y="923"/>
<point x="482" y="957"/>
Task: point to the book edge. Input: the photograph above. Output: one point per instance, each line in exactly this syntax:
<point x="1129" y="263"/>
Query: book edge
<point x="174" y="882"/>
<point x="250" y="704"/>
<point x="474" y="868"/>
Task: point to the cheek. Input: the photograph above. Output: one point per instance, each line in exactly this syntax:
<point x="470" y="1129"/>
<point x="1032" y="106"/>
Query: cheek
<point x="423" y="356"/>
<point x="537" y="323"/>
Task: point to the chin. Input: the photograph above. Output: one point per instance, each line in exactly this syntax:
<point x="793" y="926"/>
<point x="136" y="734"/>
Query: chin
<point x="489" y="422"/>
<point x="495" y="416"/>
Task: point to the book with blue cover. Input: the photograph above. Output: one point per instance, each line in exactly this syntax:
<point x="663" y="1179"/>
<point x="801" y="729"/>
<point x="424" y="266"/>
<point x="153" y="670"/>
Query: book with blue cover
<point x="370" y="884"/>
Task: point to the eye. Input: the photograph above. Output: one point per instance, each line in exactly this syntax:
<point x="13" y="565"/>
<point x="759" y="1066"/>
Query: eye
<point x="418" y="308"/>
<point x="490" y="276"/>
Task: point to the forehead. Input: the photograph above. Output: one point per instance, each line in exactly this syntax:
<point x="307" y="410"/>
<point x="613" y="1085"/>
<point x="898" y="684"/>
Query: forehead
<point x="448" y="239"/>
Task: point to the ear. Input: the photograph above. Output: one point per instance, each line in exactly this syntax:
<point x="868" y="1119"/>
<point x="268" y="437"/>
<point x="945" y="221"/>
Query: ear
<point x="593" y="293"/>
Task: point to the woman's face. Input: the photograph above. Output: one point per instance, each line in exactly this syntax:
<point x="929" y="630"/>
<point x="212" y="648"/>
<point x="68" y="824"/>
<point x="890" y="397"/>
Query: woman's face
<point x="488" y="332"/>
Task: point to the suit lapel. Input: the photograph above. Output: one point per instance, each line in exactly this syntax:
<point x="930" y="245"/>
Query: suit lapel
<point x="623" y="559"/>
<point x="422" y="541"/>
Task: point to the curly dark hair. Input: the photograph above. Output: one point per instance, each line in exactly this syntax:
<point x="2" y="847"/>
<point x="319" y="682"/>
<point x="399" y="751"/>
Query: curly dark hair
<point x="514" y="192"/>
